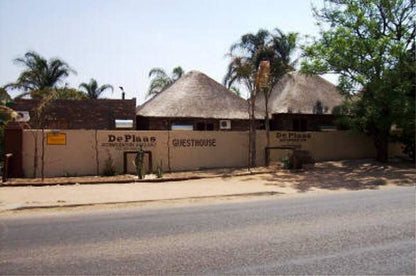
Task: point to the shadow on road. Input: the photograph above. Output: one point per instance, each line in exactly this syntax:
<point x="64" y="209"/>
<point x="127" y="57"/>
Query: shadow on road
<point x="350" y="174"/>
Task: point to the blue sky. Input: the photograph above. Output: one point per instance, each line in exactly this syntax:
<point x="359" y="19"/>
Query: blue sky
<point x="118" y="42"/>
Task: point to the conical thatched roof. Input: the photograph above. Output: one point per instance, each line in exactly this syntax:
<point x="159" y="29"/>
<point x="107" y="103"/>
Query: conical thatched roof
<point x="195" y="95"/>
<point x="300" y="93"/>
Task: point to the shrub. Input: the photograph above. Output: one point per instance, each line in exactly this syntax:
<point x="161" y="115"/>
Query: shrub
<point x="159" y="170"/>
<point x="109" y="167"/>
<point x="286" y="162"/>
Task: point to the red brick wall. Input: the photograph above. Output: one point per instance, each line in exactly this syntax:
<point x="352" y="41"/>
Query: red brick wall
<point x="80" y="114"/>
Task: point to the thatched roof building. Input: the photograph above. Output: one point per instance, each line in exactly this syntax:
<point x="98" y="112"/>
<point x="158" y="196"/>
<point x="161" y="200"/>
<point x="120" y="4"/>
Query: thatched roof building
<point x="193" y="99"/>
<point x="300" y="102"/>
<point x="302" y="94"/>
<point x="196" y="95"/>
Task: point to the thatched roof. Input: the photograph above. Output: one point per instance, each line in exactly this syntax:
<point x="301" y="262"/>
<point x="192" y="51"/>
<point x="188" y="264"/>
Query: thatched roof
<point x="195" y="95"/>
<point x="300" y="93"/>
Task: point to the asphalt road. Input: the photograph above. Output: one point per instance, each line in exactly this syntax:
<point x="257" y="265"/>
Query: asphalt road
<point x="361" y="232"/>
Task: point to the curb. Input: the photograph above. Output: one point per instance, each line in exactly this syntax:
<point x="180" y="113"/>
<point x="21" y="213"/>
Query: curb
<point x="125" y="181"/>
<point x="268" y="193"/>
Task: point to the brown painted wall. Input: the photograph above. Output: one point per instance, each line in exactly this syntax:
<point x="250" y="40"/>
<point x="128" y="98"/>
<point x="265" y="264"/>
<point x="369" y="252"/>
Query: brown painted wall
<point x="80" y="114"/>
<point x="184" y="150"/>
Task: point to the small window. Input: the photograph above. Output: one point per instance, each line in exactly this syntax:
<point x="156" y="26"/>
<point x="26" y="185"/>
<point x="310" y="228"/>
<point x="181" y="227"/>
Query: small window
<point x="124" y="124"/>
<point x="303" y="125"/>
<point x="300" y="125"/>
<point x="295" y="126"/>
<point x="182" y="127"/>
<point x="200" y="126"/>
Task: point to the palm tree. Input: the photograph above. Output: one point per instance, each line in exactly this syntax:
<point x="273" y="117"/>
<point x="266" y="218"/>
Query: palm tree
<point x="40" y="73"/>
<point x="283" y="47"/>
<point x="246" y="56"/>
<point x="235" y="90"/>
<point x="160" y="80"/>
<point x="4" y="96"/>
<point x="92" y="90"/>
<point x="280" y="48"/>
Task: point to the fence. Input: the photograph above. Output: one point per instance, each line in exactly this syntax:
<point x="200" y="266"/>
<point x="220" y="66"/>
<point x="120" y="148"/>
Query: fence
<point x="85" y="152"/>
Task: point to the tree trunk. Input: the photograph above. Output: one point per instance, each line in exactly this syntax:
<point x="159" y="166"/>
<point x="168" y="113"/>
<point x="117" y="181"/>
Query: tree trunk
<point x="252" y="134"/>
<point x="42" y="171"/>
<point x="266" y="120"/>
<point x="35" y="155"/>
<point x="97" y="160"/>
<point x="381" y="141"/>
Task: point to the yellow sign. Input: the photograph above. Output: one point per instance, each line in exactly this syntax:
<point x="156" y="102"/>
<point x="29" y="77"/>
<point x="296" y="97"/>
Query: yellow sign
<point x="56" y="139"/>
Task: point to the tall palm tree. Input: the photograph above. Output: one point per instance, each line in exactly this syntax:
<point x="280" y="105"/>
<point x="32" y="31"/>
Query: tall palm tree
<point x="160" y="80"/>
<point x="281" y="48"/>
<point x="40" y="73"/>
<point x="92" y="90"/>
<point x="246" y="56"/>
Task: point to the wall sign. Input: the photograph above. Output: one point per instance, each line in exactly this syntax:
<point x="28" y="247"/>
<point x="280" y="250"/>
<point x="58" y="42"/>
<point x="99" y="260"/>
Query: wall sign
<point x="56" y="139"/>
<point x="193" y="143"/>
<point x="293" y="137"/>
<point x="129" y="141"/>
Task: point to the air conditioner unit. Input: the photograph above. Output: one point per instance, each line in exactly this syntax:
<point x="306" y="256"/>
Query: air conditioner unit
<point x="23" y="116"/>
<point x="225" y="124"/>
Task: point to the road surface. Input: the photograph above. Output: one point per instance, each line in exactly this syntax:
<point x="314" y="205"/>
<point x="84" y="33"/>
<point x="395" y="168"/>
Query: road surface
<point x="360" y="232"/>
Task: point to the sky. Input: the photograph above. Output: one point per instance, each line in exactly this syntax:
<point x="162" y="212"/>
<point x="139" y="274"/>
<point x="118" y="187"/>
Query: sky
<point x="118" y="42"/>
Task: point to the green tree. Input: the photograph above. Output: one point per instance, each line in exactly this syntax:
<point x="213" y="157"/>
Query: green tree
<point x="160" y="80"/>
<point x="4" y="96"/>
<point x="369" y="44"/>
<point x="59" y="94"/>
<point x="92" y="90"/>
<point x="40" y="73"/>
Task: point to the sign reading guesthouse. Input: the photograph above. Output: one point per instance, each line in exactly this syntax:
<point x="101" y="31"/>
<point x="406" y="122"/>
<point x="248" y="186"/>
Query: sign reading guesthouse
<point x="194" y="143"/>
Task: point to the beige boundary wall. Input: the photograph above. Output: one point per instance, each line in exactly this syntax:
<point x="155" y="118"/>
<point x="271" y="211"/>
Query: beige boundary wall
<point x="86" y="151"/>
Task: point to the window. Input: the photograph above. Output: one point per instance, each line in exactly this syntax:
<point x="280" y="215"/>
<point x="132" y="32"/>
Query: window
<point x="299" y="125"/>
<point x="124" y="124"/>
<point x="182" y="127"/>
<point x="210" y="127"/>
<point x="303" y="125"/>
<point x="200" y="126"/>
<point x="295" y="125"/>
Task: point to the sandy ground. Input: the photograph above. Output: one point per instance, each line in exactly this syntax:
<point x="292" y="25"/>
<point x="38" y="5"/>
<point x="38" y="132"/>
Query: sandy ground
<point x="325" y="177"/>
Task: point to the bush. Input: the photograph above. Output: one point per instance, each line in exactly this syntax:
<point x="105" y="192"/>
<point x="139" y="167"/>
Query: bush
<point x="109" y="167"/>
<point x="286" y="162"/>
<point x="159" y="170"/>
<point x="297" y="159"/>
